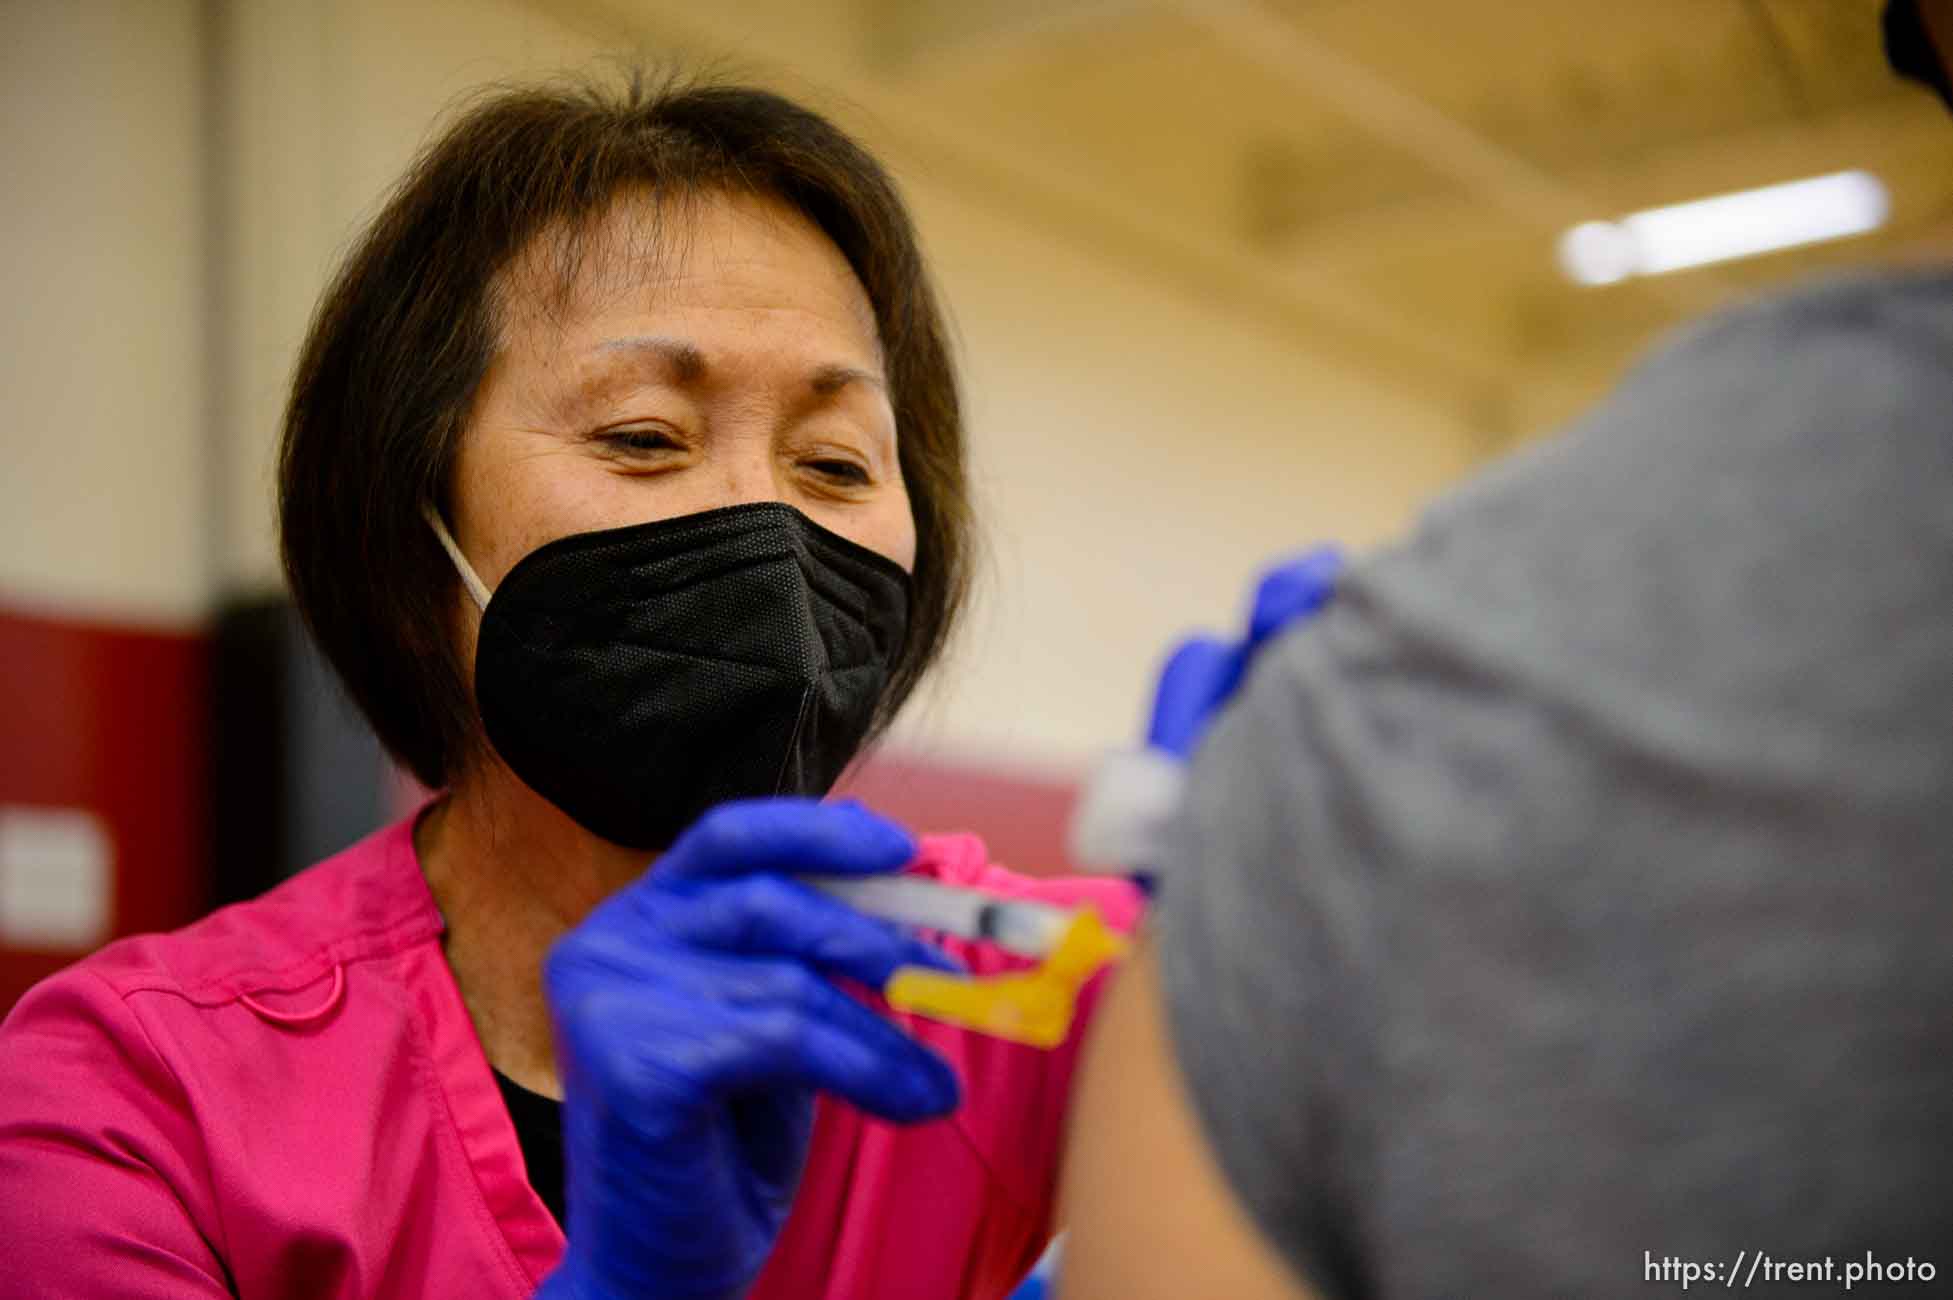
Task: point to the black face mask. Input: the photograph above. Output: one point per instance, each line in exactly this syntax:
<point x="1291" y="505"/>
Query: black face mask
<point x="637" y="676"/>
<point x="1910" y="50"/>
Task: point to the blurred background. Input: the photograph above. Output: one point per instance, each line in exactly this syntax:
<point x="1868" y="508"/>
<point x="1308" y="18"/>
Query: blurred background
<point x="1229" y="277"/>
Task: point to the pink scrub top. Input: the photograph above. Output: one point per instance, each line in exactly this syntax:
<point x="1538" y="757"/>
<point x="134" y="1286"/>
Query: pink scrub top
<point x="288" y="1099"/>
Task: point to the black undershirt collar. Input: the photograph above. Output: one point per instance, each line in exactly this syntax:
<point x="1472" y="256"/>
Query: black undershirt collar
<point x="539" y="1130"/>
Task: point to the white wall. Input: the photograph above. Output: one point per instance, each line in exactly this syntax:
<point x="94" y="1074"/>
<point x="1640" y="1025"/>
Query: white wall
<point x="103" y="489"/>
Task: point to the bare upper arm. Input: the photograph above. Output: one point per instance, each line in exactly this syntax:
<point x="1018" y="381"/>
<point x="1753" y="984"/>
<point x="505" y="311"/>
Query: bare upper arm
<point x="1148" y="1211"/>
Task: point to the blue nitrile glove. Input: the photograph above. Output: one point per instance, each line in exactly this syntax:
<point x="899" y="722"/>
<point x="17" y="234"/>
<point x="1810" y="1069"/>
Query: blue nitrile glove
<point x="1133" y="793"/>
<point x="695" y="1021"/>
<point x="1203" y="671"/>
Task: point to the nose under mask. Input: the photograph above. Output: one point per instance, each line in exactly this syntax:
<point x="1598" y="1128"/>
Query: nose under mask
<point x="637" y="676"/>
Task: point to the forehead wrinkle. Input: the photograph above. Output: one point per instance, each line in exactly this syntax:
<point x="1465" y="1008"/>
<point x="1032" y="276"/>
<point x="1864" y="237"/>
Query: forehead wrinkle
<point x="632" y="247"/>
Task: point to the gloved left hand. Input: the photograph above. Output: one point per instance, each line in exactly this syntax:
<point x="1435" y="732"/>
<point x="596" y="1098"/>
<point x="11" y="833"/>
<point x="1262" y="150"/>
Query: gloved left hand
<point x="1203" y="671"/>
<point x="1133" y="793"/>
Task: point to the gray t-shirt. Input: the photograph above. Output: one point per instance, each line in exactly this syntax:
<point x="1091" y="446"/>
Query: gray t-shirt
<point x="1573" y="894"/>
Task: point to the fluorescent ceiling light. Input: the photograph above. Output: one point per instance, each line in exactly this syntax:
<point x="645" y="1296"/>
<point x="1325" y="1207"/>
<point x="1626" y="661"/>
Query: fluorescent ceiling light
<point x="1724" y="227"/>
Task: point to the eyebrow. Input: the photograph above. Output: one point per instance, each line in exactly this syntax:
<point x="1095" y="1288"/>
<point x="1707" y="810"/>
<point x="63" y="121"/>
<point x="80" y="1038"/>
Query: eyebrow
<point x="686" y="361"/>
<point x="688" y="364"/>
<point x="832" y="379"/>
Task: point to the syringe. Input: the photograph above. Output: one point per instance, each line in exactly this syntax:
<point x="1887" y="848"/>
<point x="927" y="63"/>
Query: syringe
<point x="1016" y="925"/>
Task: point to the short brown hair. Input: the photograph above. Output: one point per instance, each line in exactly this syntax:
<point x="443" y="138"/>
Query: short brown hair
<point x="408" y="326"/>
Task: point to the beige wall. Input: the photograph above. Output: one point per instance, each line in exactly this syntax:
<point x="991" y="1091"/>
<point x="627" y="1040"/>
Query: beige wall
<point x="1139" y="454"/>
<point x="328" y="100"/>
<point x="103" y="489"/>
<point x="1139" y="447"/>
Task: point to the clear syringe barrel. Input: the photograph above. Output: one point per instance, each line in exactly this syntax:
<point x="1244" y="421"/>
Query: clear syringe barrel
<point x="1026" y="928"/>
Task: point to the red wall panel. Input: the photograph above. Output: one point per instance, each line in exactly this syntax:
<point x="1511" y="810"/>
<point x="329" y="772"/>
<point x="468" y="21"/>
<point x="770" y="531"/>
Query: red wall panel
<point x="1021" y="816"/>
<point x="109" y="720"/>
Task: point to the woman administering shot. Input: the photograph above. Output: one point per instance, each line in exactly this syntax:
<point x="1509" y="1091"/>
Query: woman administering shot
<point x="622" y="483"/>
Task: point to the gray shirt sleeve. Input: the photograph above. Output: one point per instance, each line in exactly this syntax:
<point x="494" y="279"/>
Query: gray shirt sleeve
<point x="1573" y="892"/>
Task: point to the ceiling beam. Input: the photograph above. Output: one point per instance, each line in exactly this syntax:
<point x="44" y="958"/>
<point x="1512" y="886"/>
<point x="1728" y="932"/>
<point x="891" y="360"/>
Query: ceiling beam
<point x="1880" y="135"/>
<point x="1040" y="187"/>
<point x="973" y="37"/>
<point x="1380" y="107"/>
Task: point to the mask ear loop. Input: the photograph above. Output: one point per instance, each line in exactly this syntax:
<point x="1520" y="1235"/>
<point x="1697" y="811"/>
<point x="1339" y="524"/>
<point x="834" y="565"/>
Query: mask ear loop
<point x="469" y="579"/>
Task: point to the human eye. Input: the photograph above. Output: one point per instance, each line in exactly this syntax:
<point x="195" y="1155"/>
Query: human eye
<point x="840" y="470"/>
<point x="638" y="441"/>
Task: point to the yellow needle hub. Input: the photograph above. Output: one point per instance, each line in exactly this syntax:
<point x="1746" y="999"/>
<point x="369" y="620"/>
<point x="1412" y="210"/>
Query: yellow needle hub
<point x="1034" y="1006"/>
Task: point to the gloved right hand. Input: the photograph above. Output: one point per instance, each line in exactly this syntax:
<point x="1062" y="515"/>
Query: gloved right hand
<point x="694" y="1021"/>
